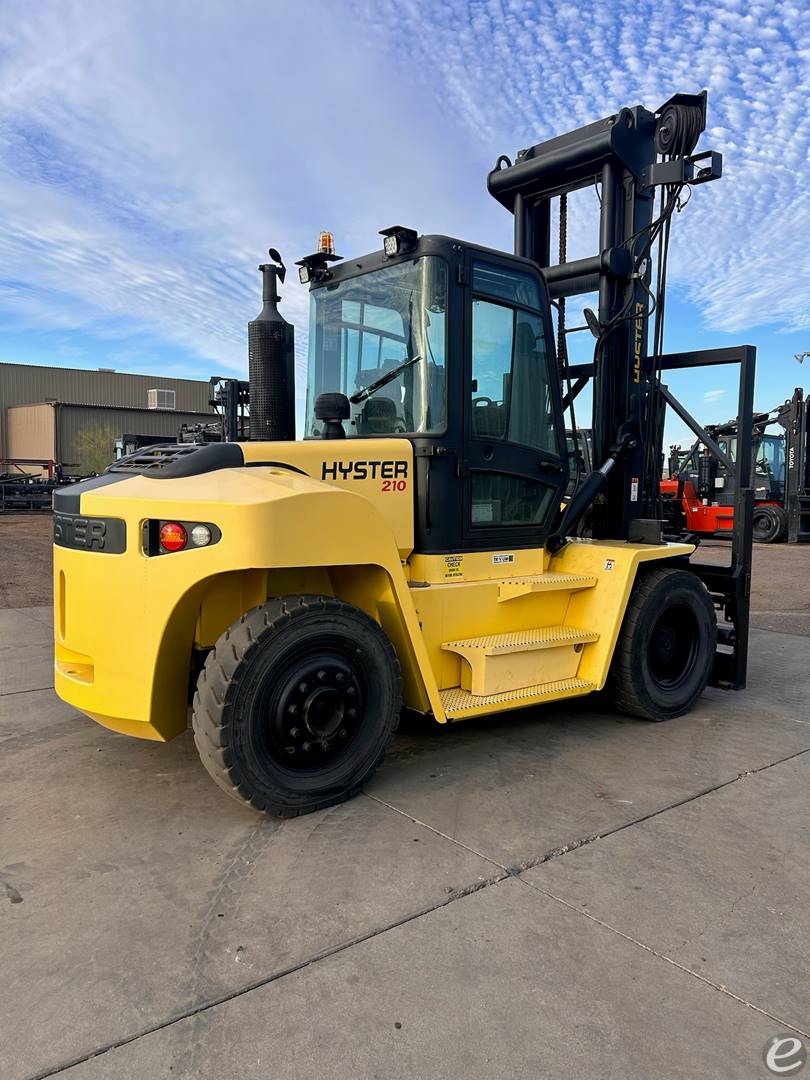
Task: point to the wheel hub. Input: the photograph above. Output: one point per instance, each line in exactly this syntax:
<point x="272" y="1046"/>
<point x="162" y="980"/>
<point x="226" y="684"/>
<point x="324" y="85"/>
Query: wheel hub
<point x="672" y="649"/>
<point x="314" y="713"/>
<point x="666" y="644"/>
<point x="323" y="711"/>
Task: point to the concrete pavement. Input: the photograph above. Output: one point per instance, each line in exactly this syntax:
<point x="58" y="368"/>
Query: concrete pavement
<point x="560" y="892"/>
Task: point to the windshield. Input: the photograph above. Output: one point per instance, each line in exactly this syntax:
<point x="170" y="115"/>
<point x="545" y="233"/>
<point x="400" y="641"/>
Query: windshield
<point x="380" y="339"/>
<point x="768" y="455"/>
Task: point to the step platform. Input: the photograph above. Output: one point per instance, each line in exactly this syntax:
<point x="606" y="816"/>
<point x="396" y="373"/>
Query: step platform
<point x="502" y="663"/>
<point x="552" y="581"/>
<point x="458" y="704"/>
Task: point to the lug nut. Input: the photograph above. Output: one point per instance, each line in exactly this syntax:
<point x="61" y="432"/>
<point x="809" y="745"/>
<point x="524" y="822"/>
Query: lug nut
<point x="292" y="710"/>
<point x="350" y="691"/>
<point x="342" y="733"/>
<point x="307" y="746"/>
<point x="351" y="712"/>
<point x="340" y="677"/>
<point x="321" y="676"/>
<point x="295" y="732"/>
<point x="302" y="688"/>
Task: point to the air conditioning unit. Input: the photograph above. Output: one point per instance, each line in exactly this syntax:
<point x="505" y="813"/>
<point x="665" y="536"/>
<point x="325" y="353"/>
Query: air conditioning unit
<point x="160" y="399"/>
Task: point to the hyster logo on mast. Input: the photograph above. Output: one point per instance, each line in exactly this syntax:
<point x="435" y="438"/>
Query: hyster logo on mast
<point x="637" y="342"/>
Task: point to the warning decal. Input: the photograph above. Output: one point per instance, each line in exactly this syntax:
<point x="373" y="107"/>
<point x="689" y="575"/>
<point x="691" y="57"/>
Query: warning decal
<point x="454" y="566"/>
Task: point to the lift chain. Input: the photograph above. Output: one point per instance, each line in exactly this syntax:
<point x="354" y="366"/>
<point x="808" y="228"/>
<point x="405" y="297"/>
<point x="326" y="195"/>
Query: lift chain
<point x="562" y="344"/>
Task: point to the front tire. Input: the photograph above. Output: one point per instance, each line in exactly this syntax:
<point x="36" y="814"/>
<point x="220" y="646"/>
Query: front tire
<point x="297" y="704"/>
<point x="666" y="646"/>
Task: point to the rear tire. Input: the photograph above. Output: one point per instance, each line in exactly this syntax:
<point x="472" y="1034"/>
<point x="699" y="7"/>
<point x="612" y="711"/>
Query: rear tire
<point x="666" y="646"/>
<point x="770" y="524"/>
<point x="297" y="704"/>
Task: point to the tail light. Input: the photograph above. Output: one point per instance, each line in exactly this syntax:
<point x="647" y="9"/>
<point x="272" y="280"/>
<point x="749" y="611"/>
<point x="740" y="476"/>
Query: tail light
<point x="173" y="537"/>
<point x="166" y="537"/>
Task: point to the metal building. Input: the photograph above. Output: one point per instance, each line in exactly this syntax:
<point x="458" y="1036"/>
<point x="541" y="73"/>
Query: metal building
<point x="75" y="417"/>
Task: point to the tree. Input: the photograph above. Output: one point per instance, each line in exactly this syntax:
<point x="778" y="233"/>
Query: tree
<point x="93" y="448"/>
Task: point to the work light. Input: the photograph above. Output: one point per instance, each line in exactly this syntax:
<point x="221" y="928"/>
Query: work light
<point x="398" y="240"/>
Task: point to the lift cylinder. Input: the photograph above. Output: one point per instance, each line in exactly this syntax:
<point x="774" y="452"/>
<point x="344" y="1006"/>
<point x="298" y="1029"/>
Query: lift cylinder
<point x="271" y="366"/>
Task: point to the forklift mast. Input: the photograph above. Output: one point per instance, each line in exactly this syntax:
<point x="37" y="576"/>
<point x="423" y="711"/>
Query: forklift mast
<point x="793" y="416"/>
<point x="629" y="157"/>
<point x="619" y="154"/>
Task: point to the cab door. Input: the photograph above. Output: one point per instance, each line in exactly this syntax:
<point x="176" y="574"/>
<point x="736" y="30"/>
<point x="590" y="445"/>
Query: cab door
<point x="514" y="463"/>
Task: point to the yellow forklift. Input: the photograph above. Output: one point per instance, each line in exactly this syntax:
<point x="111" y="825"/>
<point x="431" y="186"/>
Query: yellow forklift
<point x="412" y="550"/>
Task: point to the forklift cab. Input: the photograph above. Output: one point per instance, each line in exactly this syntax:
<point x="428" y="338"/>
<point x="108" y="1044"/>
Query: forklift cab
<point x="394" y="339"/>
<point x="768" y="462"/>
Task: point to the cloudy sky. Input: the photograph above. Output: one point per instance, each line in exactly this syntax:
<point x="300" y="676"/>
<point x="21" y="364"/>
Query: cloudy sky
<point x="151" y="152"/>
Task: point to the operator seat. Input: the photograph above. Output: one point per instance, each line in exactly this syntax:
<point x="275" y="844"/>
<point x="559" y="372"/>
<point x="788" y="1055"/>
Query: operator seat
<point x="488" y="418"/>
<point x="379" y="417"/>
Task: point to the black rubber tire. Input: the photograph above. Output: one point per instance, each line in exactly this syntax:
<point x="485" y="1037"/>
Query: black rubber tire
<point x="783" y="523"/>
<point x="243" y="686"/>
<point x="770" y="524"/>
<point x="666" y="646"/>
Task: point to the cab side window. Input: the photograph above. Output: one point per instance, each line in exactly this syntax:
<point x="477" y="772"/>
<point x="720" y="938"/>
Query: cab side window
<point x="511" y="395"/>
<point x="493" y="343"/>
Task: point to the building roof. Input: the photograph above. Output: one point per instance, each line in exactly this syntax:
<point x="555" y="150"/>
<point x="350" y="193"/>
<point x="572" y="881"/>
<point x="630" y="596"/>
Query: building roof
<point x="103" y="371"/>
<point x="115" y="408"/>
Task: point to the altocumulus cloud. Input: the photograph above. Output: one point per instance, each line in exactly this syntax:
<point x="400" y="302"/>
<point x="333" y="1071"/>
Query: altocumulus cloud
<point x="515" y="72"/>
<point x="149" y="151"/>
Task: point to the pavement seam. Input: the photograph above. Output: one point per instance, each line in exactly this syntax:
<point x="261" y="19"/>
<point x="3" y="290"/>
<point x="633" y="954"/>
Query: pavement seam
<point x="258" y="984"/>
<point x="458" y="894"/>
<point x="32" y="690"/>
<point x="438" y="832"/>
<point x="583" y="841"/>
<point x="663" y="956"/>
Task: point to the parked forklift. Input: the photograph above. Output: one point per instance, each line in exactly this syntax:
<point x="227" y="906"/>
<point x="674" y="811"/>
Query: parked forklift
<point x="699" y="494"/>
<point x="412" y="548"/>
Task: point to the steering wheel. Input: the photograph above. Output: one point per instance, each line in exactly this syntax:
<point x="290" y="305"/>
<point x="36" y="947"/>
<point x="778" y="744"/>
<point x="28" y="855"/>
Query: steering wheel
<point x="482" y="401"/>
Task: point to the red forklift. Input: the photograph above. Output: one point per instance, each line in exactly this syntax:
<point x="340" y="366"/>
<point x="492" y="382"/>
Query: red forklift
<point x="698" y="497"/>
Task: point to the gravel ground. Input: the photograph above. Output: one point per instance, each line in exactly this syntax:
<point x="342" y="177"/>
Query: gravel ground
<point x="780" y="584"/>
<point x="780" y="598"/>
<point x="25" y="559"/>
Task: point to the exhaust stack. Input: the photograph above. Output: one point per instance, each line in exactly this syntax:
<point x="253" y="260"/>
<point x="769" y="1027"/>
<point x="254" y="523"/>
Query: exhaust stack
<point x="271" y="362"/>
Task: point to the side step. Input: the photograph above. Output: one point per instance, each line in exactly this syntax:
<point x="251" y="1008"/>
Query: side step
<point x="552" y="581"/>
<point x="459" y="703"/>
<point x="501" y="663"/>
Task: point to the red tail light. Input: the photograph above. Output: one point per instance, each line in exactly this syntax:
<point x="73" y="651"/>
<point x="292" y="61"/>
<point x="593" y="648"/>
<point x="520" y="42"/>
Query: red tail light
<point x="173" y="537"/>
